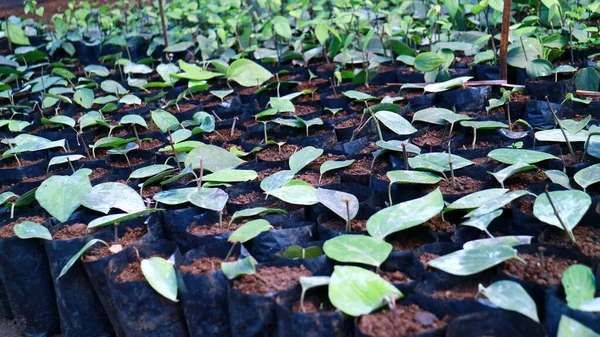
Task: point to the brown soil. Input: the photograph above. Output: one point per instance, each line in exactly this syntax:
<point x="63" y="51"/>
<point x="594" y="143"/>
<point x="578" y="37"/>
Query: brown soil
<point x="133" y="271"/>
<point x="587" y="239"/>
<point x="350" y="122"/>
<point x="214" y="229"/>
<point x="12" y="163"/>
<point x="526" y="205"/>
<point x="334" y="95"/>
<point x="270" y="280"/>
<point x="149" y="192"/>
<point x="314" y="304"/>
<point x="40" y="178"/>
<point x="533" y="272"/>
<point x="464" y="184"/>
<point x="150" y="144"/>
<point x="7" y="231"/>
<point x="316" y="164"/>
<point x="481" y="161"/>
<point x="402" y="241"/>
<point x="426" y="257"/>
<point x="394" y="276"/>
<point x="247" y="198"/>
<point x="98" y="173"/>
<point x="569" y="160"/>
<point x="313" y="178"/>
<point x="403" y="321"/>
<point x="183" y="107"/>
<point x="122" y="161"/>
<point x="131" y="236"/>
<point x="265" y="173"/>
<point x="302" y="110"/>
<point x="340" y="225"/>
<point x="205" y="265"/>
<point x="224" y="135"/>
<point x="436" y="224"/>
<point x="74" y="231"/>
<point x="432" y="138"/>
<point x="272" y="152"/>
<point x="363" y="167"/>
<point x="310" y="85"/>
<point x="466" y="290"/>
<point x="519" y="97"/>
<point x="327" y="67"/>
<point x="522" y="180"/>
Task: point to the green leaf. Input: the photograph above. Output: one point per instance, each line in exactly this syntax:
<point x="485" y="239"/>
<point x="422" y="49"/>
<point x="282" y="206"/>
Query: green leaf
<point x="571" y="206"/>
<point x="587" y="176"/>
<point x="160" y="274"/>
<point x="568" y="327"/>
<point x="579" y="284"/>
<point x="245" y="266"/>
<point x="405" y="215"/>
<point x="248" y="212"/>
<point x="489" y="125"/>
<point x="130" y="100"/>
<point x="62" y="195"/>
<point x="356" y="291"/>
<point x="345" y="205"/>
<point x="164" y="120"/>
<point x="573" y="127"/>
<point x="118" y="218"/>
<point x="174" y="196"/>
<point x="359" y="96"/>
<point x="297" y="252"/>
<point x="454" y="83"/>
<point x="247" y="73"/>
<point x="499" y="241"/>
<point x="193" y="72"/>
<point x="472" y="261"/>
<point x="16" y="34"/>
<point x="178" y="47"/>
<point x="78" y="255"/>
<point x="556" y="135"/>
<point x="7" y="196"/>
<point x="438" y="116"/>
<point x="297" y="194"/>
<point x="331" y="165"/>
<point x="113" y="87"/>
<point x="437" y="162"/>
<point x="357" y="249"/>
<point x="105" y="196"/>
<point x="276" y="180"/>
<point x="149" y="171"/>
<point x="559" y="177"/>
<point x="497" y="203"/>
<point x="134" y="119"/>
<point x="300" y="159"/>
<point x="592" y="305"/>
<point x="428" y="61"/>
<point x="213" y="199"/>
<point x="250" y="230"/>
<point x="84" y="97"/>
<point x="538" y="68"/>
<point x="476" y="199"/>
<point x="398" y="146"/>
<point x="32" y="230"/>
<point x="413" y="177"/>
<point x="510" y="295"/>
<point x="587" y="79"/>
<point x="281" y="25"/>
<point x="231" y="176"/>
<point x="96" y="70"/>
<point x="395" y="122"/>
<point x="61" y="120"/>
<point x="483" y="221"/>
<point x="214" y="158"/>
<point x="510" y="170"/>
<point x="513" y="156"/>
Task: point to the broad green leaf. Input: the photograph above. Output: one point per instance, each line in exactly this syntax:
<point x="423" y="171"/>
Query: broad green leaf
<point x="483" y="221"/>
<point x="499" y="241"/>
<point x="590" y="306"/>
<point x="130" y="100"/>
<point x="112" y="219"/>
<point x="164" y="120"/>
<point x="6" y="197"/>
<point x="245" y="266"/>
<point x="510" y="170"/>
<point x="496" y="203"/>
<point x="587" y="79"/>
<point x="538" y="68"/>
<point x="395" y="122"/>
<point x="113" y="87"/>
<point x="587" y="176"/>
<point x="510" y="295"/>
<point x="214" y="158"/>
<point x="16" y="34"/>
<point x="296" y="194"/>
<point x="62" y="120"/>
<point x="231" y="176"/>
<point x="437" y="162"/>
<point x="559" y="177"/>
<point x="84" y="97"/>
<point x="454" y="83"/>
<point x="160" y="274"/>
<point x="413" y="177"/>
<point x="483" y="125"/>
<point x="178" y="47"/>
<point x="357" y="249"/>
<point x="345" y="205"/>
<point x="97" y="70"/>
<point x="149" y="171"/>
<point x="250" y="230"/>
<point x="32" y="230"/>
<point x="428" y="61"/>
<point x="105" y="196"/>
<point x="405" y="215"/>
<point x="513" y="156"/>
<point x="248" y="212"/>
<point x="556" y="135"/>
<point x="134" y="119"/>
<point x="331" y="165"/>
<point x="281" y="25"/>
<point x="276" y="180"/>
<point x="213" y="199"/>
<point x="193" y="72"/>
<point x="359" y="96"/>
<point x="579" y="284"/>
<point x="573" y="127"/>
<point x="298" y="252"/>
<point x="247" y="73"/>
<point x="62" y="195"/>
<point x="300" y="159"/>
<point x="472" y="261"/>
<point x="398" y="146"/>
<point x="356" y="291"/>
<point x="571" y="206"/>
<point x="438" y="116"/>
<point x="476" y="199"/>
<point x="569" y="327"/>
<point x="174" y="196"/>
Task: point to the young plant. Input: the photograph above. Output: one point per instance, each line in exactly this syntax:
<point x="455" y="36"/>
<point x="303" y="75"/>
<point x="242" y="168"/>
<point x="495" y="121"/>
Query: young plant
<point x="343" y="204"/>
<point x="562" y="209"/>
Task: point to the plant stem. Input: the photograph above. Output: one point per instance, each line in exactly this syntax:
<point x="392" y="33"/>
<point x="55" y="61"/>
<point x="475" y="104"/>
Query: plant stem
<point x="348" y="220"/>
<point x="220" y="218"/>
<point x="405" y="155"/>
<point x="390" y="193"/>
<point x="450" y="163"/>
<point x="556" y="213"/>
<point x="561" y="128"/>
<point x="233" y="127"/>
<point x="474" y="137"/>
<point x="172" y="149"/>
<point x="230" y="251"/>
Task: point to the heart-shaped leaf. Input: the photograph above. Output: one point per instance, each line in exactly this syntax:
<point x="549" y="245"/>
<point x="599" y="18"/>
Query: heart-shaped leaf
<point x="300" y="159"/>
<point x="161" y="276"/>
<point x="32" y="230"/>
<point x="579" y="284"/>
<point x="345" y="205"/>
<point x="214" y="158"/>
<point x="588" y="176"/>
<point x="296" y="194"/>
<point x="513" y="156"/>
<point x="511" y="296"/>
<point x="62" y="195"/>
<point x="571" y="206"/>
<point x="357" y="249"/>
<point x="213" y="199"/>
<point x="472" y="261"/>
<point x="395" y="122"/>
<point x="250" y="230"/>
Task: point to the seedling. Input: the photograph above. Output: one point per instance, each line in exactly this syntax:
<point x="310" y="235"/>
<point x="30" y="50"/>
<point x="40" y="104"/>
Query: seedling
<point x="345" y="205"/>
<point x="562" y="130"/>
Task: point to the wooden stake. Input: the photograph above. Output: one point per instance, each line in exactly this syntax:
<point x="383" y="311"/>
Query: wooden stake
<point x="503" y="62"/>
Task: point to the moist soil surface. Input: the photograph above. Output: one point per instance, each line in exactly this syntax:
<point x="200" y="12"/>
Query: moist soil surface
<point x="437" y="224"/>
<point x="466" y="290"/>
<point x="205" y="265"/>
<point x="550" y="273"/>
<point x="132" y="235"/>
<point x="270" y="280"/>
<point x="74" y="231"/>
<point x="133" y="271"/>
<point x="356" y="225"/>
<point x="433" y="138"/>
<point x="462" y="185"/>
<point x="216" y="228"/>
<point x="314" y="304"/>
<point x="244" y="199"/>
<point x="425" y="258"/>
<point x="522" y="180"/>
<point x="394" y="276"/>
<point x="8" y="231"/>
<point x="313" y="178"/>
<point x="404" y="321"/>
<point x="587" y="239"/>
<point x="272" y="153"/>
<point x="405" y="241"/>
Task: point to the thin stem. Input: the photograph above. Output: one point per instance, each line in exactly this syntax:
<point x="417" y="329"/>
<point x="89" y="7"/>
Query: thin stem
<point x="405" y="155"/>
<point x="450" y="163"/>
<point x="348" y="220"/>
<point x="230" y="251"/>
<point x="557" y="214"/>
<point x="561" y="128"/>
<point x="233" y="127"/>
<point x="173" y="149"/>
